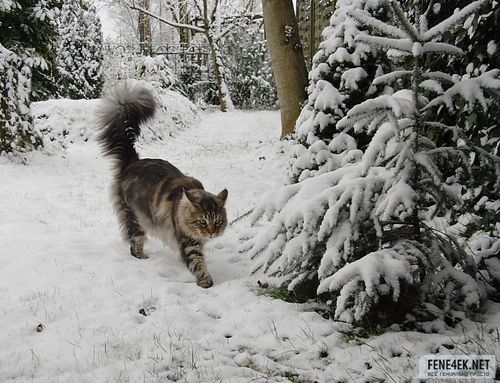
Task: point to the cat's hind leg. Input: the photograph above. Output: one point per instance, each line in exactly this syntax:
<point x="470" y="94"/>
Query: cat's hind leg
<point x="135" y="234"/>
<point x="132" y="230"/>
<point x="136" y="240"/>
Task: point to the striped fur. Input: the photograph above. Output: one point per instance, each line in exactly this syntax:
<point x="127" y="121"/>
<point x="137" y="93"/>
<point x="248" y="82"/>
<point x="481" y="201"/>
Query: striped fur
<point x="152" y="196"/>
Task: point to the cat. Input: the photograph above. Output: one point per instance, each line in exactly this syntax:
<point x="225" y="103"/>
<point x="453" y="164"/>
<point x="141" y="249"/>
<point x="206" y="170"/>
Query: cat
<point x="151" y="196"/>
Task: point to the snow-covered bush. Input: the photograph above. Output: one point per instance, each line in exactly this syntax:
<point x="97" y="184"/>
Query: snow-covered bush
<point x="79" y="51"/>
<point x="382" y="221"/>
<point x="156" y="70"/>
<point x="53" y="118"/>
<point x="250" y="78"/>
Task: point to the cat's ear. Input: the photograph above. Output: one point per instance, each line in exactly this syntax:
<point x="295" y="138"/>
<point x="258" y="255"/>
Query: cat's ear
<point x="190" y="196"/>
<point x="222" y="195"/>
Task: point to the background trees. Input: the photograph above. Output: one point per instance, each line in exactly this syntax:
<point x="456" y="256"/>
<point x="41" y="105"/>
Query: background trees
<point x="79" y="51"/>
<point x="48" y="49"/>
<point x="209" y="22"/>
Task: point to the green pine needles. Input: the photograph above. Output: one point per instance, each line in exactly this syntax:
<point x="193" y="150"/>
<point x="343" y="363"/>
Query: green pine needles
<point x="386" y="224"/>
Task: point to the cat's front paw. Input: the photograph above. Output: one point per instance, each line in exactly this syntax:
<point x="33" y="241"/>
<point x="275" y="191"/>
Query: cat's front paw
<point x="138" y="254"/>
<point x="205" y="281"/>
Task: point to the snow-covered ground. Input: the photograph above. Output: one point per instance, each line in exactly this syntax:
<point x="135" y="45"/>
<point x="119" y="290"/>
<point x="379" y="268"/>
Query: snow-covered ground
<point x="76" y="307"/>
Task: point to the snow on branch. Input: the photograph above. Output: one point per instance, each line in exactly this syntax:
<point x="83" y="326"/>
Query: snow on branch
<point x="440" y="76"/>
<point x="399" y="104"/>
<point x="404" y="45"/>
<point x="388" y="78"/>
<point x="376" y="274"/>
<point x="453" y="21"/>
<point x="303" y="216"/>
<point x="441" y="48"/>
<point x="431" y="85"/>
<point x="364" y="18"/>
<point x="471" y="90"/>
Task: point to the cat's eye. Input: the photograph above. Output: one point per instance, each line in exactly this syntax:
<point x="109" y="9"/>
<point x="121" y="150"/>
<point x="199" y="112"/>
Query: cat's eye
<point x="218" y="222"/>
<point x="202" y="222"/>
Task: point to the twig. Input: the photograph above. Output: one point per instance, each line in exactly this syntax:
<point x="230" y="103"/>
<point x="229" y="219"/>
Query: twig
<point x="241" y="216"/>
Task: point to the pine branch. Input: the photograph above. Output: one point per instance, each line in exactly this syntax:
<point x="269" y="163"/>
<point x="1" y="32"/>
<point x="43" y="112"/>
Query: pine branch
<point x="441" y="48"/>
<point x="366" y="19"/>
<point x="470" y="89"/>
<point x="240" y="217"/>
<point x="403" y="45"/>
<point x="459" y="133"/>
<point x="410" y="30"/>
<point x="423" y="25"/>
<point x="362" y="114"/>
<point x="454" y="21"/>
<point x="441" y="76"/>
<point x="391" y="77"/>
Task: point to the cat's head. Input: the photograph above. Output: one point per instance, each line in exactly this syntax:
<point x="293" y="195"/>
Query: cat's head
<point x="204" y="214"/>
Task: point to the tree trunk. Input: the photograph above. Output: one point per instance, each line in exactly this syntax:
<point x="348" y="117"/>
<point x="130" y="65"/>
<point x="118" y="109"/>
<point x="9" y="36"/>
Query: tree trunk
<point x="220" y="76"/>
<point x="223" y="95"/>
<point x="287" y="59"/>
<point x="144" y="26"/>
<point x="184" y="33"/>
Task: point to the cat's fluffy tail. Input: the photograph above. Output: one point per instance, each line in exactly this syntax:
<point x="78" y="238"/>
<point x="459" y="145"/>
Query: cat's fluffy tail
<point x="122" y="111"/>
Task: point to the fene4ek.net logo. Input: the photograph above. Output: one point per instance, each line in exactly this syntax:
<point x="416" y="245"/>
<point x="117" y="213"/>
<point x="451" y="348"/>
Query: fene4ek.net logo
<point x="457" y="366"/>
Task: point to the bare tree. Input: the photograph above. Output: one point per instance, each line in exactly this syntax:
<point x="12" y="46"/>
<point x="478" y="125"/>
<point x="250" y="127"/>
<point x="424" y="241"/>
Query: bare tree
<point x="206" y="18"/>
<point x="287" y="60"/>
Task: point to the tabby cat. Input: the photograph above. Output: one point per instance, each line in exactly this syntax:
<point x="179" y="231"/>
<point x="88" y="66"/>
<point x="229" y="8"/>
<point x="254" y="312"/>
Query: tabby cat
<point x="152" y="196"/>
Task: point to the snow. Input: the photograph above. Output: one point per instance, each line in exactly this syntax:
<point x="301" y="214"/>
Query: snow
<point x="491" y="48"/>
<point x="351" y="77"/>
<point x="71" y="296"/>
<point x="328" y="96"/>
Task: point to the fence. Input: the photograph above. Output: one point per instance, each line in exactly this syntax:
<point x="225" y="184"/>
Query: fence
<point x="184" y="59"/>
<point x="312" y="17"/>
<point x="180" y="55"/>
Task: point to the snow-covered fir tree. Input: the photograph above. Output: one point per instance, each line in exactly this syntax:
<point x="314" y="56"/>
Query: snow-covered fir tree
<point x="79" y="52"/>
<point x="341" y="77"/>
<point x="29" y="29"/>
<point x="383" y="224"/>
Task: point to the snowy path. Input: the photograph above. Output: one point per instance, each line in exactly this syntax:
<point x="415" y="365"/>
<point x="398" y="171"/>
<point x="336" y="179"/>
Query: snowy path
<point x="65" y="267"/>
